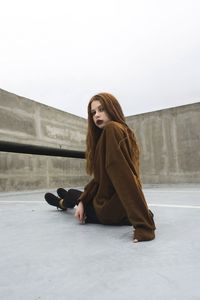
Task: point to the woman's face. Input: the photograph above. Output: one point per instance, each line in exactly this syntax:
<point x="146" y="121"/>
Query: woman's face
<point x="99" y="115"/>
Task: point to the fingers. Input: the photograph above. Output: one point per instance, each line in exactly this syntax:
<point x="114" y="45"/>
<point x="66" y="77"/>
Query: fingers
<point x="79" y="215"/>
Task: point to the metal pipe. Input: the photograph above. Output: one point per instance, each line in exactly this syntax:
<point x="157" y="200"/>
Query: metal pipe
<point x="39" y="150"/>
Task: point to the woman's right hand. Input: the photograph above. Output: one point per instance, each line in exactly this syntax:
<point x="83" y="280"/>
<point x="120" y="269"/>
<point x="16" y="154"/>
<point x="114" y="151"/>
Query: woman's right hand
<point x="79" y="214"/>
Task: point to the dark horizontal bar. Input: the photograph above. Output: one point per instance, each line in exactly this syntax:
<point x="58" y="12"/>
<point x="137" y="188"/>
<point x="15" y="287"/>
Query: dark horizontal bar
<point x="39" y="150"/>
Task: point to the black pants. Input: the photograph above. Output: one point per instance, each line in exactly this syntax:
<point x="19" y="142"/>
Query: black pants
<point x="70" y="200"/>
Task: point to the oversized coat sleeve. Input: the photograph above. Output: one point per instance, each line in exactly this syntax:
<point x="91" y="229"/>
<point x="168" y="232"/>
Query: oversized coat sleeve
<point x="89" y="192"/>
<point x="121" y="171"/>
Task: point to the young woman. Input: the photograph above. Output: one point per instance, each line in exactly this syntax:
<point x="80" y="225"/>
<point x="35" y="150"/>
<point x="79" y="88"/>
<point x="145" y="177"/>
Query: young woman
<point x="114" y="196"/>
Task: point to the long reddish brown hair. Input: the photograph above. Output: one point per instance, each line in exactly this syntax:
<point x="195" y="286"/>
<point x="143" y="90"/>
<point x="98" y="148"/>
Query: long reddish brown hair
<point x="115" y="113"/>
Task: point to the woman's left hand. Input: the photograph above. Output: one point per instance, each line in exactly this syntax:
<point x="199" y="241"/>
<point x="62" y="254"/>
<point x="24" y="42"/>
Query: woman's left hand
<point x="79" y="214"/>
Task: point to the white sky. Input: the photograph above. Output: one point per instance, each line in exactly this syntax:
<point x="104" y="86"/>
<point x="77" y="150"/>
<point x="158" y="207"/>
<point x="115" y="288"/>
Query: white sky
<point x="61" y="52"/>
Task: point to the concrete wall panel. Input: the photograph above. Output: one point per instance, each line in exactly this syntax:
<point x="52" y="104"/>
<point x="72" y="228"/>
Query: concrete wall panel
<point x="169" y="140"/>
<point x="26" y="121"/>
<point x="169" y="143"/>
<point x="23" y="125"/>
<point x="188" y="137"/>
<point x="16" y="103"/>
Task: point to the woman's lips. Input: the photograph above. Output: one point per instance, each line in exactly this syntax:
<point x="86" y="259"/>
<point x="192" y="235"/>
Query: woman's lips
<point x="99" y="122"/>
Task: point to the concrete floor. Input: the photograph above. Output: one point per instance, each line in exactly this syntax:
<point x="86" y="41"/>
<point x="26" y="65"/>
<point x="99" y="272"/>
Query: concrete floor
<point x="45" y="254"/>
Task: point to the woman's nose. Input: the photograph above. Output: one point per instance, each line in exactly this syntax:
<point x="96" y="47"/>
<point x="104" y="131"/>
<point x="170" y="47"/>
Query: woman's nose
<point x="97" y="114"/>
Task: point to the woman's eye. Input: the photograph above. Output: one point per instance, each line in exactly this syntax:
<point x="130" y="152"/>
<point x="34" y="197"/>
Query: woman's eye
<point x="92" y="113"/>
<point x="101" y="109"/>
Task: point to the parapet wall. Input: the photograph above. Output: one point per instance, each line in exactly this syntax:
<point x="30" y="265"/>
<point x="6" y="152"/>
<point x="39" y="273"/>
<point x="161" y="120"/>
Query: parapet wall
<point x="26" y="121"/>
<point x="169" y="140"/>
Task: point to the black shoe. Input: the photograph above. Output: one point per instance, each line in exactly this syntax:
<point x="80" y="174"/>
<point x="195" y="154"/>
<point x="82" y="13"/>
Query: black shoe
<point x="62" y="193"/>
<point x="69" y="197"/>
<point x="53" y="200"/>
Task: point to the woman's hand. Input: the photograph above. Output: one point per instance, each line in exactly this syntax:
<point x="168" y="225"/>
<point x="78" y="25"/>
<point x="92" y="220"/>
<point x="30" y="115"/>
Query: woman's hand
<point x="79" y="214"/>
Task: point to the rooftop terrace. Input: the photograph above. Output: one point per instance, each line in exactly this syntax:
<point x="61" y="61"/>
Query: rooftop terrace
<point x="45" y="254"/>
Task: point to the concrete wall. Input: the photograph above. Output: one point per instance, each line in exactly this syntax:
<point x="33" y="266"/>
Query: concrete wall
<point x="27" y="121"/>
<point x="169" y="140"/>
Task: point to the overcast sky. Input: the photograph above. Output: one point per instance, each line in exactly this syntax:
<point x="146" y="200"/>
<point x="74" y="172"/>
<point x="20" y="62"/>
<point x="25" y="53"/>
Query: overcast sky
<point x="61" y="53"/>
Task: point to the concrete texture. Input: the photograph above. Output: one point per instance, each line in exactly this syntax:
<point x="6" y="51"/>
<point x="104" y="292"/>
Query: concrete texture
<point x="45" y="254"/>
<point x="169" y="140"/>
<point x="25" y="121"/>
